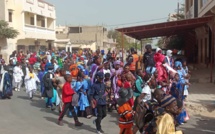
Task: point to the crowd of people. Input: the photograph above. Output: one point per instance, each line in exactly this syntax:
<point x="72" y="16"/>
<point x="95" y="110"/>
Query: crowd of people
<point x="148" y="91"/>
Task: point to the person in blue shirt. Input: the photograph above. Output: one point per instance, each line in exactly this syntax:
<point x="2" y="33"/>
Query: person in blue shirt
<point x="98" y="94"/>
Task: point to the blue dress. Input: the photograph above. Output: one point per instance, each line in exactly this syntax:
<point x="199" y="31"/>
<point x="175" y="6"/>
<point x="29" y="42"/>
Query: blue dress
<point x="83" y="101"/>
<point x="40" y="76"/>
<point x="177" y="91"/>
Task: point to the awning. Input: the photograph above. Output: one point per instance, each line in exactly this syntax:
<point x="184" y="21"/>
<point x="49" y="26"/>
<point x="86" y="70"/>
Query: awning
<point x="166" y="28"/>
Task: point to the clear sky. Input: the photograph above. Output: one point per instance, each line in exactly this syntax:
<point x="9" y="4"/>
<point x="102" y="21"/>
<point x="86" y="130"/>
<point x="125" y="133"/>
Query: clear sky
<point x="112" y="12"/>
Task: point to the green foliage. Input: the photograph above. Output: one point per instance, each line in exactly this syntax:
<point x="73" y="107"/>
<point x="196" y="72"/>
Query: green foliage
<point x="6" y="31"/>
<point x="117" y="36"/>
<point x="176" y="42"/>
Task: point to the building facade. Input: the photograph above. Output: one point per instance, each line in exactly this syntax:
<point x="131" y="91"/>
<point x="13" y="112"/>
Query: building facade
<point x="200" y="8"/>
<point x="71" y="38"/>
<point x="35" y="21"/>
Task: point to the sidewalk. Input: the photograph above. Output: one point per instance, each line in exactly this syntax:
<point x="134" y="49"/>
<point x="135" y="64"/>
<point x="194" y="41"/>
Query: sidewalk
<point x="201" y="98"/>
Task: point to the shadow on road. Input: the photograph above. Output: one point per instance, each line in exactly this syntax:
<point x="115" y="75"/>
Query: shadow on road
<point x="199" y="125"/>
<point x="71" y="125"/>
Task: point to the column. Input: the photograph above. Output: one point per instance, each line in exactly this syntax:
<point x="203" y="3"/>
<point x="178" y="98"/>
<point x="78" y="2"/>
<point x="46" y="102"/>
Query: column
<point x="70" y="49"/>
<point x="46" y="22"/>
<point x="23" y="19"/>
<point x="66" y="48"/>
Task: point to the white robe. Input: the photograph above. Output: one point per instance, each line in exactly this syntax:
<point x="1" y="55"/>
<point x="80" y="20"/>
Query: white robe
<point x="30" y="83"/>
<point x="17" y="74"/>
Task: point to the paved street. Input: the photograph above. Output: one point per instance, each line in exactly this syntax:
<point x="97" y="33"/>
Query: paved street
<point x="22" y="116"/>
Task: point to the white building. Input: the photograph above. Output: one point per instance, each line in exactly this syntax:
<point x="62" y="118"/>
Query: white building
<point x="35" y="21"/>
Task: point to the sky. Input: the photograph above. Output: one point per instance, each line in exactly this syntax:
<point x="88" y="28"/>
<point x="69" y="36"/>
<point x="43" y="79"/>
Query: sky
<point x="113" y="13"/>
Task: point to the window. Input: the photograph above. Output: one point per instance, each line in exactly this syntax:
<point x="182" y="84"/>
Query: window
<point x="10" y="16"/>
<point x="75" y="30"/>
<point x="32" y="48"/>
<point x="32" y="20"/>
<point x="43" y="23"/>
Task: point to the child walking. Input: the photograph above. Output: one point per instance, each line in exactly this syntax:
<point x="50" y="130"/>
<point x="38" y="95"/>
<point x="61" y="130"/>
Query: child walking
<point x="98" y="94"/>
<point x="30" y="82"/>
<point x="67" y="94"/>
<point x="125" y="111"/>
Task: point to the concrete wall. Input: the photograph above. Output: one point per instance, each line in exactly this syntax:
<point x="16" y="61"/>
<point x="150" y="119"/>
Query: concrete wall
<point x="2" y="10"/>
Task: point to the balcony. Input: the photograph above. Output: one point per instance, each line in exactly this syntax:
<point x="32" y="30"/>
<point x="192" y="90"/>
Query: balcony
<point x="40" y="4"/>
<point x="38" y="32"/>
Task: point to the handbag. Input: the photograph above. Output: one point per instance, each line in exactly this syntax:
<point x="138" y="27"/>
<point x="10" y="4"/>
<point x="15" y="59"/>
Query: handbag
<point x="93" y="103"/>
<point x="75" y="99"/>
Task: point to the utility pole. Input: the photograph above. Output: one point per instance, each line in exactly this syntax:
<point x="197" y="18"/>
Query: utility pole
<point x="178" y="12"/>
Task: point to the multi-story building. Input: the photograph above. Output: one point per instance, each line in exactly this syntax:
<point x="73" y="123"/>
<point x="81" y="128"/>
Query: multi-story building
<point x="72" y="38"/>
<point x="200" y="8"/>
<point x="35" y="22"/>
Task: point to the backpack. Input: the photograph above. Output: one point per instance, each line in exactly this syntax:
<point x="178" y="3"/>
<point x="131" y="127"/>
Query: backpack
<point x="145" y="119"/>
<point x="75" y="99"/>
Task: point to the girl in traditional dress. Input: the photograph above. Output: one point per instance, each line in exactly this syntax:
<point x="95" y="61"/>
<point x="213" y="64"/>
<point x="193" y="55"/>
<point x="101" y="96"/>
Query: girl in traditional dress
<point x="30" y="83"/>
<point x="81" y="88"/>
<point x="17" y="77"/>
<point x="96" y="66"/>
<point x="115" y="73"/>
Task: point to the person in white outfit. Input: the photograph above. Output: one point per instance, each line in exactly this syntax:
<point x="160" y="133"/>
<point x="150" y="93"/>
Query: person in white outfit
<point x="30" y="83"/>
<point x="17" y="77"/>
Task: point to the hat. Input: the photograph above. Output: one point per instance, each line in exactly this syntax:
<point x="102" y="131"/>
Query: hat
<point x="99" y="75"/>
<point x="148" y="46"/>
<point x="124" y="95"/>
<point x="167" y="100"/>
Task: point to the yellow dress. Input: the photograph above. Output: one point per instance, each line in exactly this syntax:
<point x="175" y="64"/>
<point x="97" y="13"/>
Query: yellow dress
<point x="165" y="125"/>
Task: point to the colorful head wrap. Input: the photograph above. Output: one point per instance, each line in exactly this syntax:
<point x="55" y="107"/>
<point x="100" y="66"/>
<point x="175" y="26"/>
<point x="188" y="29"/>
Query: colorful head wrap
<point x="117" y="62"/>
<point x="169" y="53"/>
<point x="158" y="49"/>
<point x="178" y="64"/>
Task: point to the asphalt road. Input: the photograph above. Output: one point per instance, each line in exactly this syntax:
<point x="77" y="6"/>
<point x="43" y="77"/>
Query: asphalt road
<point x="23" y="116"/>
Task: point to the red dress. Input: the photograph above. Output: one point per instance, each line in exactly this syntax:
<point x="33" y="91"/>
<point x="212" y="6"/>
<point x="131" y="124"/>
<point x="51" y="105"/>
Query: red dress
<point x="127" y="84"/>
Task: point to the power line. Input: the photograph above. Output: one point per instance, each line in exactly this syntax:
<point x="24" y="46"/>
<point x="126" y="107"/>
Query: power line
<point x="122" y="24"/>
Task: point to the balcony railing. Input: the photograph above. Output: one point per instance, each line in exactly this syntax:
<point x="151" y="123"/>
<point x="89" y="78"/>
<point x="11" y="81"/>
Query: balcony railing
<point x="39" y="32"/>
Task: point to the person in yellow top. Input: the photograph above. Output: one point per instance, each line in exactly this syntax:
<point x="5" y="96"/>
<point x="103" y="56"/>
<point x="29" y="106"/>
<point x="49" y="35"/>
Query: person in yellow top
<point x="165" y="123"/>
<point x="125" y="111"/>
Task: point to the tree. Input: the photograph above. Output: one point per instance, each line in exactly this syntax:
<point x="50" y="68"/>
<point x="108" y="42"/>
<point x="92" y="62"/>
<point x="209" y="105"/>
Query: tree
<point x="6" y="31"/>
<point x="180" y="13"/>
<point x="113" y="34"/>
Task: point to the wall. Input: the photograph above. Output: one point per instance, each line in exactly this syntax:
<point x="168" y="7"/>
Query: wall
<point x="206" y="7"/>
<point x="2" y="10"/>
